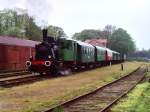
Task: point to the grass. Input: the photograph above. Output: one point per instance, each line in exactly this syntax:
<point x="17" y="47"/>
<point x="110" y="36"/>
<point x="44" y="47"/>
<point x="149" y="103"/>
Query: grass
<point x="137" y="101"/>
<point x="49" y="93"/>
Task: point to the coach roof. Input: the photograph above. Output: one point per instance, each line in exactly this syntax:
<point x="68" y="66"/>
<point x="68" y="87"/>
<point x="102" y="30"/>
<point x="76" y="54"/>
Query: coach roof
<point x="81" y="43"/>
<point x="109" y="50"/>
<point x="101" y="48"/>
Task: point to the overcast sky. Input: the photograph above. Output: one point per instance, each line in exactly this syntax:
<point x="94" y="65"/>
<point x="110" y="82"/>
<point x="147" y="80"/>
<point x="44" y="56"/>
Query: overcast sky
<point x="76" y="15"/>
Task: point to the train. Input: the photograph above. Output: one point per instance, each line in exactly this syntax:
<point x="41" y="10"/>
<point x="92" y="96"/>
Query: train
<point x="56" y="55"/>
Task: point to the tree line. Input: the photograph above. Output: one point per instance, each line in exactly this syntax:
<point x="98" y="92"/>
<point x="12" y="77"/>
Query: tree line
<point x="17" y="23"/>
<point x="118" y="38"/>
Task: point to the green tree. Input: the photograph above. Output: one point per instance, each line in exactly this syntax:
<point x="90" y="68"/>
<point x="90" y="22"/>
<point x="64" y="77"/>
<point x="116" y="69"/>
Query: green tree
<point x="108" y="30"/>
<point x="32" y="31"/>
<point x="87" y="34"/>
<point x="56" y="31"/>
<point x="18" y="23"/>
<point x="122" y="42"/>
<point x="107" y="33"/>
<point x="14" y="32"/>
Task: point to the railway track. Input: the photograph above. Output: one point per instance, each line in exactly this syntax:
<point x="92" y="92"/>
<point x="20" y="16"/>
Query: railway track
<point x="12" y="74"/>
<point x="104" y="97"/>
<point x="22" y="77"/>
<point x="13" y="81"/>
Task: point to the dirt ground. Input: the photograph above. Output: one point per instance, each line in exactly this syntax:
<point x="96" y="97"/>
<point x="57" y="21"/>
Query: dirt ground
<point x="41" y="95"/>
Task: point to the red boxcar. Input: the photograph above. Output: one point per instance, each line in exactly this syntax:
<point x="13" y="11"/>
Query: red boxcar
<point x="15" y="52"/>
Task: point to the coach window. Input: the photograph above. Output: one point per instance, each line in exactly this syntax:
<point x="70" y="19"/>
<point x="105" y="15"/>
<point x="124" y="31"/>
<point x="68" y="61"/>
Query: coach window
<point x="83" y="50"/>
<point x="90" y="51"/>
<point x="86" y="51"/>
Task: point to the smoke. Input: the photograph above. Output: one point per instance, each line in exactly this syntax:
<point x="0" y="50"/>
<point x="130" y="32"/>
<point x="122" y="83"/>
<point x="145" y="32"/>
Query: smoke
<point x="11" y="4"/>
<point x="40" y="10"/>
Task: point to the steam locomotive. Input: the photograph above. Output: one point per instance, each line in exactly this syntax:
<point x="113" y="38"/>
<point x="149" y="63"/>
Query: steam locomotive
<point x="55" y="56"/>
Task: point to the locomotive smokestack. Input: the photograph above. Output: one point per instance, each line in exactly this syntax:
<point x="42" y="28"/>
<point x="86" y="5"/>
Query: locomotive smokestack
<point x="45" y="34"/>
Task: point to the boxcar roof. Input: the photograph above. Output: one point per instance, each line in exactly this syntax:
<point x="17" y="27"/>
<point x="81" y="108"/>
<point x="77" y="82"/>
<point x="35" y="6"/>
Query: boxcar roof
<point x="16" y="41"/>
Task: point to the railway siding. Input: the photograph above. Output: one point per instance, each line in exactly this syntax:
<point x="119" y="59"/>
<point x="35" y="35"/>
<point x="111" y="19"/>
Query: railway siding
<point x="101" y="99"/>
<point x="137" y="100"/>
<point x="11" y="74"/>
